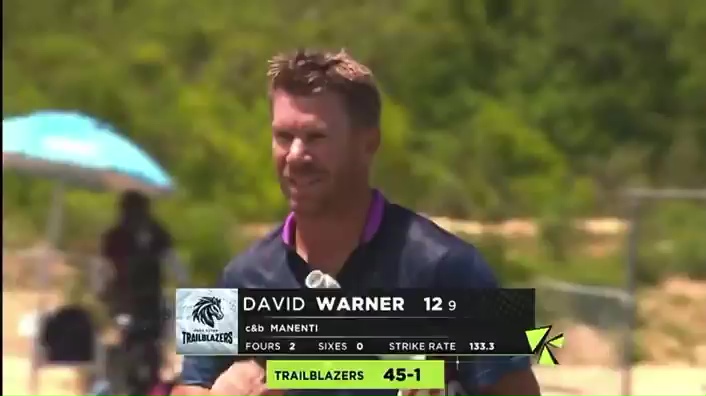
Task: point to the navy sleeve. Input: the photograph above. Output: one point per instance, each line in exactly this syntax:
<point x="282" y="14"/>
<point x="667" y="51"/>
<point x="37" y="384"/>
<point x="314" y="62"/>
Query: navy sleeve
<point x="204" y="370"/>
<point x="465" y="268"/>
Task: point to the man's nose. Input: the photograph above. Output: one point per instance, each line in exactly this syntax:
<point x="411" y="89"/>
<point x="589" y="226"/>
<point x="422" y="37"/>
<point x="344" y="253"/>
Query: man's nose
<point x="298" y="151"/>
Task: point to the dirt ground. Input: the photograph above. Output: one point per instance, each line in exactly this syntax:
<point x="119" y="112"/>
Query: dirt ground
<point x="646" y="380"/>
<point x="17" y="351"/>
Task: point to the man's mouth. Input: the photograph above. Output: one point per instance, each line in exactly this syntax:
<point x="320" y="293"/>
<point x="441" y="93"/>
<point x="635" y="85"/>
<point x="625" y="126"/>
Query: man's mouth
<point x="303" y="182"/>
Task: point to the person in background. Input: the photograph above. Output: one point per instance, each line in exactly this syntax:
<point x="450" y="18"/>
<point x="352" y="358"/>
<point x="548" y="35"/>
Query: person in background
<point x="137" y="249"/>
<point x="325" y="110"/>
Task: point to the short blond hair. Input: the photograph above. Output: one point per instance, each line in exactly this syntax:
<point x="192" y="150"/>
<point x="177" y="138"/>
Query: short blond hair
<point x="307" y="72"/>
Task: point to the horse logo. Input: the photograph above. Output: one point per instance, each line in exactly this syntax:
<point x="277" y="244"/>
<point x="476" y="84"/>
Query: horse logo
<point x="207" y="311"/>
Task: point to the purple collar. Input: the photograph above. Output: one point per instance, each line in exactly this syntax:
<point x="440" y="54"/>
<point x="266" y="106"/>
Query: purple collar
<point x="372" y="225"/>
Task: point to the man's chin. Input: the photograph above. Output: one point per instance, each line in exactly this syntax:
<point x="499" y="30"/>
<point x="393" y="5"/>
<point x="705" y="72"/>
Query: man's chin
<point x="305" y="207"/>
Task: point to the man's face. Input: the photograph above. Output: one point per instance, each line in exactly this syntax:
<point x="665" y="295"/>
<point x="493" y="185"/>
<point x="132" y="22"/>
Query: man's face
<point x="134" y="213"/>
<point x="317" y="152"/>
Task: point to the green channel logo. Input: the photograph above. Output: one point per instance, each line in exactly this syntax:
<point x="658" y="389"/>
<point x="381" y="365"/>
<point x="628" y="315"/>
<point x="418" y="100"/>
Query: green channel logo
<point x="542" y="345"/>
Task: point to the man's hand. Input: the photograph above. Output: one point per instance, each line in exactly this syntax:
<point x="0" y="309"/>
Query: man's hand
<point x="243" y="378"/>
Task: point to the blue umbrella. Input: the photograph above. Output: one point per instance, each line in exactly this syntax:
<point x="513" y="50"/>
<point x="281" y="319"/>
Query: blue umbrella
<point x="81" y="150"/>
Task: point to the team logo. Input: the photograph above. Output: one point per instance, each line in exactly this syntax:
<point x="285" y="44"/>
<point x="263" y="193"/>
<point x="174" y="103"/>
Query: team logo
<point x="541" y="345"/>
<point x="207" y="321"/>
<point x="207" y="311"/>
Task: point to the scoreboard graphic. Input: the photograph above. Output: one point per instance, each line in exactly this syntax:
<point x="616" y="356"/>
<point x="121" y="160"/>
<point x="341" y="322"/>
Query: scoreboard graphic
<point x="405" y="322"/>
<point x="408" y="338"/>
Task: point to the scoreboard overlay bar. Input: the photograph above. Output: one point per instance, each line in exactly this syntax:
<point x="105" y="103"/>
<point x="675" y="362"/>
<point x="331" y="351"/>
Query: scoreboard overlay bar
<point x="356" y="374"/>
<point x="480" y="304"/>
<point x="266" y="327"/>
<point x="430" y="346"/>
<point x="333" y="322"/>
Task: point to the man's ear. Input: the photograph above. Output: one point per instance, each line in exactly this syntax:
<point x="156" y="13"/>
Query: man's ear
<point x="371" y="142"/>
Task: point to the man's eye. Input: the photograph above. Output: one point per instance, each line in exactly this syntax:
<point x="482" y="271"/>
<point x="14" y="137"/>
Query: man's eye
<point x="284" y="136"/>
<point x="316" y="136"/>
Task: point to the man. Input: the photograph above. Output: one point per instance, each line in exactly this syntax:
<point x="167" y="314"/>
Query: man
<point x="325" y="133"/>
<point x="137" y="248"/>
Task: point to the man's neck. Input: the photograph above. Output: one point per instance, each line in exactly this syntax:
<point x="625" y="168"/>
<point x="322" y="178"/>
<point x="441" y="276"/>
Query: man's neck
<point x="326" y="242"/>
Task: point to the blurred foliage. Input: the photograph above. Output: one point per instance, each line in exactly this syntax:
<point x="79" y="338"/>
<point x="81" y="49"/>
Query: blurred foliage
<point x="675" y="234"/>
<point x="493" y="108"/>
<point x="205" y="238"/>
